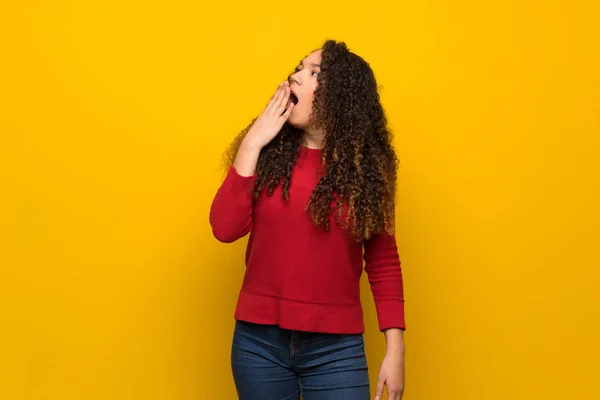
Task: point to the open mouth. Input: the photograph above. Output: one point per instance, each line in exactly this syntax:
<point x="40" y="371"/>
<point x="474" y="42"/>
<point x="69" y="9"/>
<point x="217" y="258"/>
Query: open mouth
<point x="293" y="99"/>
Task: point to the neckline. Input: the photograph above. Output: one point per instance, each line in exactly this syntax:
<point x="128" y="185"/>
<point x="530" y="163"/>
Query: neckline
<point x="310" y="150"/>
<point x="309" y="155"/>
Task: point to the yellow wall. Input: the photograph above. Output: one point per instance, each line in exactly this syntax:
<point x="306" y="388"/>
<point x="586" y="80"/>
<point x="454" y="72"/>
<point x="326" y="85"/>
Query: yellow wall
<point x="113" y="115"/>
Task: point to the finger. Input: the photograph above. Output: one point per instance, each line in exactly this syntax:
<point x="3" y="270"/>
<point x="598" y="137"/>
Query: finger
<point x="379" y="391"/>
<point x="394" y="394"/>
<point x="276" y="97"/>
<point x="286" y="114"/>
<point x="272" y="99"/>
<point x="284" y="100"/>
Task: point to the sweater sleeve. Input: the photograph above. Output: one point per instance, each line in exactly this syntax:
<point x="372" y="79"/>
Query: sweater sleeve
<point x="231" y="209"/>
<point x="382" y="265"/>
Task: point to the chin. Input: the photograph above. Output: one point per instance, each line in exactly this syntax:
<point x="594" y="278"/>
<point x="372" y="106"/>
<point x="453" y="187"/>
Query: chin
<point x="298" y="123"/>
<point x="294" y="124"/>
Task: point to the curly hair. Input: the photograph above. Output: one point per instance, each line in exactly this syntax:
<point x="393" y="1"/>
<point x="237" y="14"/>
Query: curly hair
<point x="359" y="182"/>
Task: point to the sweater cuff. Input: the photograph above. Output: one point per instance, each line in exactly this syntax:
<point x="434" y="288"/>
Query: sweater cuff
<point x="237" y="181"/>
<point x="390" y="314"/>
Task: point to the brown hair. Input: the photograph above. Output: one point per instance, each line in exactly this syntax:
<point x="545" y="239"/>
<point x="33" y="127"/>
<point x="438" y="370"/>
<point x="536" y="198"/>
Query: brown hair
<point x="359" y="184"/>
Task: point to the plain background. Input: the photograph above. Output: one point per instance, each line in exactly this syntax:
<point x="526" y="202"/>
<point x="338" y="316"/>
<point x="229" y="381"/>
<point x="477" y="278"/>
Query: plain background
<point x="113" y="116"/>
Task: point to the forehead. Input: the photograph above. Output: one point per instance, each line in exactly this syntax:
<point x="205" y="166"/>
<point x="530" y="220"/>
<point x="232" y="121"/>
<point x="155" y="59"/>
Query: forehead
<point x="313" y="58"/>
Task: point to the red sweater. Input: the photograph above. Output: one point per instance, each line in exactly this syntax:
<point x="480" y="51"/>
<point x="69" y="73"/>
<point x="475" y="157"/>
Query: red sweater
<point x="298" y="276"/>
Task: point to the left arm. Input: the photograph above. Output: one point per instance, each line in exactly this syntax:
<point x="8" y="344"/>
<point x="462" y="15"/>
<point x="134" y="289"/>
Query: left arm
<point x="382" y="265"/>
<point x="391" y="373"/>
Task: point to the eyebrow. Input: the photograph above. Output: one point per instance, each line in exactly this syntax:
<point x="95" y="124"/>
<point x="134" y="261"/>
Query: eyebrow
<point x="312" y="65"/>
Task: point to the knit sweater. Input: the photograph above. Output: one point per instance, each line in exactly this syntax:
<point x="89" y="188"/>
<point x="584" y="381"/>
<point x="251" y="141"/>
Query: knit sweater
<point x="299" y="276"/>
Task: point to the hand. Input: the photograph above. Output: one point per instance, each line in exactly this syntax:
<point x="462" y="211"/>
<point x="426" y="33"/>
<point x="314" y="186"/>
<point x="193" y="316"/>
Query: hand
<point x="391" y="375"/>
<point x="270" y="121"/>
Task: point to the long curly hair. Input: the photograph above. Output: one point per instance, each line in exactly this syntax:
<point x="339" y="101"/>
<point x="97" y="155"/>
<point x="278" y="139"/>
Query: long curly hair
<point x="359" y="182"/>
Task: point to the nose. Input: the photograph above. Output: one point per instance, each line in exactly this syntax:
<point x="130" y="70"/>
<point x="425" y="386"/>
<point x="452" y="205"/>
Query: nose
<point x="294" y="78"/>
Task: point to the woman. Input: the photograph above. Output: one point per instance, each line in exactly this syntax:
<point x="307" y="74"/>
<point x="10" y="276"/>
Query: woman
<point x="312" y="180"/>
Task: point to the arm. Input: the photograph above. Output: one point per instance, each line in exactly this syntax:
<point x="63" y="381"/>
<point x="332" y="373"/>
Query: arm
<point x="391" y="373"/>
<point x="231" y="209"/>
<point x="382" y="264"/>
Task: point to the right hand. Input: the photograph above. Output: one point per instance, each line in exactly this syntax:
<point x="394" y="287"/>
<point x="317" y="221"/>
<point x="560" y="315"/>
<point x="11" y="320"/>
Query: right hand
<point x="269" y="122"/>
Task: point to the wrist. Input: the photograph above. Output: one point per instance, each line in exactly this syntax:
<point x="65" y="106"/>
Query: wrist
<point x="394" y="340"/>
<point x="247" y="157"/>
<point x="252" y="143"/>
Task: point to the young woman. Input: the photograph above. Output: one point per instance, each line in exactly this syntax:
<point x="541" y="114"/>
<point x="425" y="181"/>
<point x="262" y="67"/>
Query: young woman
<point x="312" y="179"/>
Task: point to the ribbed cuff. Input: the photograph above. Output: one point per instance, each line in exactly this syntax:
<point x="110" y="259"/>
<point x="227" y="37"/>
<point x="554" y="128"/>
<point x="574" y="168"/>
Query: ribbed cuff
<point x="238" y="182"/>
<point x="390" y="314"/>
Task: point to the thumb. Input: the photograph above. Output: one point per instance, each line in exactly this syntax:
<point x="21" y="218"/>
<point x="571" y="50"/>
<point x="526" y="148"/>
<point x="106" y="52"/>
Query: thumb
<point x="286" y="114"/>
<point x="379" y="391"/>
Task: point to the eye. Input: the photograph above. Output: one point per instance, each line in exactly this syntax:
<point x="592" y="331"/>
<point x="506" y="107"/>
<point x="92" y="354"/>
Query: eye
<point x="297" y="69"/>
<point x="315" y="73"/>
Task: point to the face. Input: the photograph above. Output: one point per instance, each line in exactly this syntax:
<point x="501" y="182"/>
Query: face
<point x="303" y="83"/>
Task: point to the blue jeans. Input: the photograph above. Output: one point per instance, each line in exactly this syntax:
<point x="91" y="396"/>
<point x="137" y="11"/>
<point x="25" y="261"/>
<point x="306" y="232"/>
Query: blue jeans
<point x="270" y="363"/>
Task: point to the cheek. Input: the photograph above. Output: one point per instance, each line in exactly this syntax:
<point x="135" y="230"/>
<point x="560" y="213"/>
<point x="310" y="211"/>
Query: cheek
<point x="306" y="104"/>
<point x="310" y="98"/>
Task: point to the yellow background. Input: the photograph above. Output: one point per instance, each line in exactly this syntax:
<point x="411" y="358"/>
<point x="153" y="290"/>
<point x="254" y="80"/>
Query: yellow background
<point x="113" y="116"/>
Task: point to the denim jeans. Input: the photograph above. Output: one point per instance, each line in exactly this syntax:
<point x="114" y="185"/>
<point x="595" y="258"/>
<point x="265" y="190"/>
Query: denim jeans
<point x="270" y="363"/>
